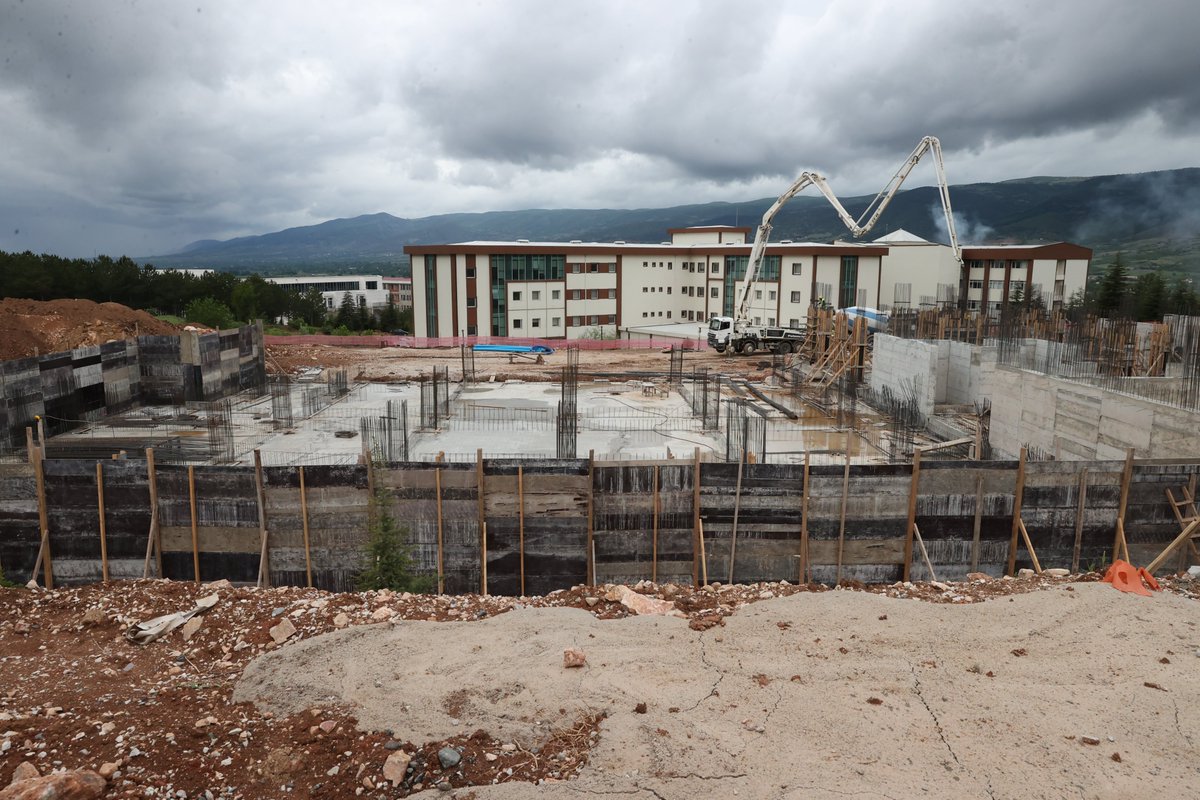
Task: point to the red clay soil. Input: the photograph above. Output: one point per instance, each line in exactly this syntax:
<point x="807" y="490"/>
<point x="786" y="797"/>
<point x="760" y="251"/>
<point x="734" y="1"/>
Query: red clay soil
<point x="159" y="720"/>
<point x="33" y="327"/>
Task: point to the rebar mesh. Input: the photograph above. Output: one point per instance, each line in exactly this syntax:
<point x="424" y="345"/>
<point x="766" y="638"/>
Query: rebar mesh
<point x="567" y="424"/>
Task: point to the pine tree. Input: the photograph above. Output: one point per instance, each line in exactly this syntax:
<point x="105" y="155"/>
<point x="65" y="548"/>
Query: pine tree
<point x="390" y="563"/>
<point x="1113" y="287"/>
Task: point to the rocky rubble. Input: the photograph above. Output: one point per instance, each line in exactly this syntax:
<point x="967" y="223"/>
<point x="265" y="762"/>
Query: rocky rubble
<point x="157" y="720"/>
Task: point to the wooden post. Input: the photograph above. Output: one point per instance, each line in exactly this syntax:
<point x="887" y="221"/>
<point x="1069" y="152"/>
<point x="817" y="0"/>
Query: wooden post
<point x="1018" y="496"/>
<point x="482" y="522"/>
<point x="978" y="523"/>
<point x="484" y="576"/>
<point x="100" y="511"/>
<point x="737" y="505"/>
<point x="1079" y="509"/>
<point x="1183" y="536"/>
<point x="43" y="516"/>
<point x="805" y="566"/>
<point x="703" y="558"/>
<point x="591" y="532"/>
<point x="696" y="518"/>
<point x="264" y="556"/>
<point x="441" y="572"/>
<point x="154" y="540"/>
<point x="1119" y="542"/>
<point x="654" y="531"/>
<point x="30" y="452"/>
<point x="912" y="511"/>
<point x="521" y="524"/>
<point x="924" y="553"/>
<point x="195" y="530"/>
<point x="304" y="522"/>
<point x="1037" y="565"/>
<point x="842" y="521"/>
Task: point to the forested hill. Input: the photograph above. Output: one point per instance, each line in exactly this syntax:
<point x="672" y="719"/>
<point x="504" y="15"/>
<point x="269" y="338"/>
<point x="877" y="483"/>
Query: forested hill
<point x="1153" y="218"/>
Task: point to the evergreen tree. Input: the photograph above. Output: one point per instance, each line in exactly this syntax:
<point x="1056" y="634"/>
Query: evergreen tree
<point x="1113" y="288"/>
<point x="1183" y="299"/>
<point x="1151" y="293"/>
<point x="390" y="563"/>
<point x="347" y="312"/>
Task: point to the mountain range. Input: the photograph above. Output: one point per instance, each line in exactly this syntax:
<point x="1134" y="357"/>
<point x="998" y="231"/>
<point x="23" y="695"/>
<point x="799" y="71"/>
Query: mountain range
<point x="1152" y="218"/>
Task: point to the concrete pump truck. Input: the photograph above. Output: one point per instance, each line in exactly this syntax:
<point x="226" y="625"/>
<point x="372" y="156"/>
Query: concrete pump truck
<point x="739" y="335"/>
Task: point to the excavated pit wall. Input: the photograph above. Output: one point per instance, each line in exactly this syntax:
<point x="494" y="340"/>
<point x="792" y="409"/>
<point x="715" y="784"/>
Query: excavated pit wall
<point x="88" y="383"/>
<point x="642" y="516"/>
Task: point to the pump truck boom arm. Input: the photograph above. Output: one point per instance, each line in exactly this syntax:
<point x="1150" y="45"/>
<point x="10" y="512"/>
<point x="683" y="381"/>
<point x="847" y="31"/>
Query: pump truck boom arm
<point x="857" y="227"/>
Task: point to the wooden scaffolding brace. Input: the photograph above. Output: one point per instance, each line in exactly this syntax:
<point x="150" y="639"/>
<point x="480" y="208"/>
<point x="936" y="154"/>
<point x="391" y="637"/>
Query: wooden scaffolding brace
<point x="1189" y="524"/>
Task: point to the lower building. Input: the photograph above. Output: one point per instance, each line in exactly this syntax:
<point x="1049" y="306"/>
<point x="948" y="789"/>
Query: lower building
<point x="365" y="290"/>
<point x="586" y="289"/>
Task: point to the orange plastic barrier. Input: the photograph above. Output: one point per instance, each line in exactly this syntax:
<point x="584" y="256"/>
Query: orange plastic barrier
<point x="1127" y="578"/>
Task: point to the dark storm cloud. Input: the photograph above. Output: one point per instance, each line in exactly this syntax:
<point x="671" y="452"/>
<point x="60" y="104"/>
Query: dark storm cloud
<point x="137" y="127"/>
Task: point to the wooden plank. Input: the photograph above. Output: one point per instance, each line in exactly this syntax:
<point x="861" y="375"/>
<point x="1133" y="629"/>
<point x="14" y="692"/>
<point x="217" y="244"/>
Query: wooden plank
<point x="912" y="511"/>
<point x="929" y="448"/>
<point x="1119" y="544"/>
<point x="654" y="531"/>
<point x="264" y="556"/>
<point x="521" y="523"/>
<point x="1018" y="496"/>
<point x="100" y="512"/>
<point x="842" y="518"/>
<point x="805" y="562"/>
<point x="43" y="516"/>
<point x="703" y="558"/>
<point x="1186" y="534"/>
<point x="154" y="538"/>
<point x="924" y="554"/>
<point x="978" y="526"/>
<point x="441" y="572"/>
<point x="304" y="522"/>
<point x="591" y="512"/>
<point x="695" y="517"/>
<point x="737" y="507"/>
<point x="1080" y="508"/>
<point x="479" y="490"/>
<point x="1037" y="566"/>
<point x="191" y="473"/>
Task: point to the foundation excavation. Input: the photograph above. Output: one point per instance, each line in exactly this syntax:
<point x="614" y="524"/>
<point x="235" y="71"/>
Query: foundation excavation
<point x="864" y="457"/>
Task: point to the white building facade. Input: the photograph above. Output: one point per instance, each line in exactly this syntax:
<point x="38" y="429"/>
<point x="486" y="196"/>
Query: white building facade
<point x="577" y="289"/>
<point x="365" y="290"/>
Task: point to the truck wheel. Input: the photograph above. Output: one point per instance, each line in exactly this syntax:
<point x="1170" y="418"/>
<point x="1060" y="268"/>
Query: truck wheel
<point x="720" y="348"/>
<point x="747" y="348"/>
<point x="784" y="348"/>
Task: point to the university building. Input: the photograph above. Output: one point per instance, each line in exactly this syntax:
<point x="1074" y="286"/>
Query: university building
<point x="574" y="289"/>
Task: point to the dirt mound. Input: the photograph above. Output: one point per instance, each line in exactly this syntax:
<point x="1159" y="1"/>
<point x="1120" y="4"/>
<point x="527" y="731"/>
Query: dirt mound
<point x="33" y="327"/>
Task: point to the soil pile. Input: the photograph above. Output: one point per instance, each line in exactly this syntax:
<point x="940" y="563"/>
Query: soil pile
<point x="33" y="327"/>
<point x="764" y="690"/>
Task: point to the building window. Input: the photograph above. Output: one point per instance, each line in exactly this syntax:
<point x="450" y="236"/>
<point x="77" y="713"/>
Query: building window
<point x="556" y="322"/>
<point x="535" y="295"/>
<point x="612" y="267"/>
<point x="668" y="290"/>
<point x="470" y="273"/>
<point x="758" y="294"/>
<point x="577" y="268"/>
<point x="670" y="265"/>
<point x="793" y="323"/>
<point x="516" y="324"/>
<point x="796" y="297"/>
<point x="372" y="284"/>
<point x="645" y="314"/>
<point x="848" y="283"/>
<point x="713" y="292"/>
<point x="554" y="294"/>
<point x="472" y="330"/>
<point x="976" y="284"/>
<point x="771" y="296"/>
<point x="470" y="302"/>
<point x="576" y="321"/>
<point x="797" y="269"/>
<point x="536" y="322"/>
<point x="645" y="289"/>
<point x="431" y="296"/>
<point x="516" y="296"/>
<point x="593" y="320"/>
<point x="771" y="321"/>
<point x="995" y="284"/>
<point x="645" y="263"/>
<point x="593" y="294"/>
<point x="716" y="268"/>
<point x="668" y="315"/>
<point x="612" y="319"/>
<point x="612" y="294"/>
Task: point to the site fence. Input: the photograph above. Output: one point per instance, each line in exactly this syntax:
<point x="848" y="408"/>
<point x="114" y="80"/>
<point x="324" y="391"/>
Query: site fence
<point x="469" y="341"/>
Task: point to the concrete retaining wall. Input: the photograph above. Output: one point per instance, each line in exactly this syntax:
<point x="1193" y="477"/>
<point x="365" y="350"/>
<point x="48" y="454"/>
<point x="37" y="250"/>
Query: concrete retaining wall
<point x="1075" y="421"/>
<point x="906" y="367"/>
<point x="87" y="383"/>
<point x="627" y="503"/>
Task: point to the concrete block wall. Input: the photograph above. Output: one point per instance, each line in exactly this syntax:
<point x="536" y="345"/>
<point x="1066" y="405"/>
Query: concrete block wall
<point x="906" y="366"/>
<point x="1072" y="420"/>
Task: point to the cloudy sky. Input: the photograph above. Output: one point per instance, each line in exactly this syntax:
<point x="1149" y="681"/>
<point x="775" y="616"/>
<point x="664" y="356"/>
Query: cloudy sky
<point x="137" y="127"/>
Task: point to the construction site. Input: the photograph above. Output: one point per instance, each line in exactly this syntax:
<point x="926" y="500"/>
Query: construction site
<point x="572" y="506"/>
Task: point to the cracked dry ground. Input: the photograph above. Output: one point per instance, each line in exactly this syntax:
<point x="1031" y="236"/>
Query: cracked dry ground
<point x="812" y="694"/>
